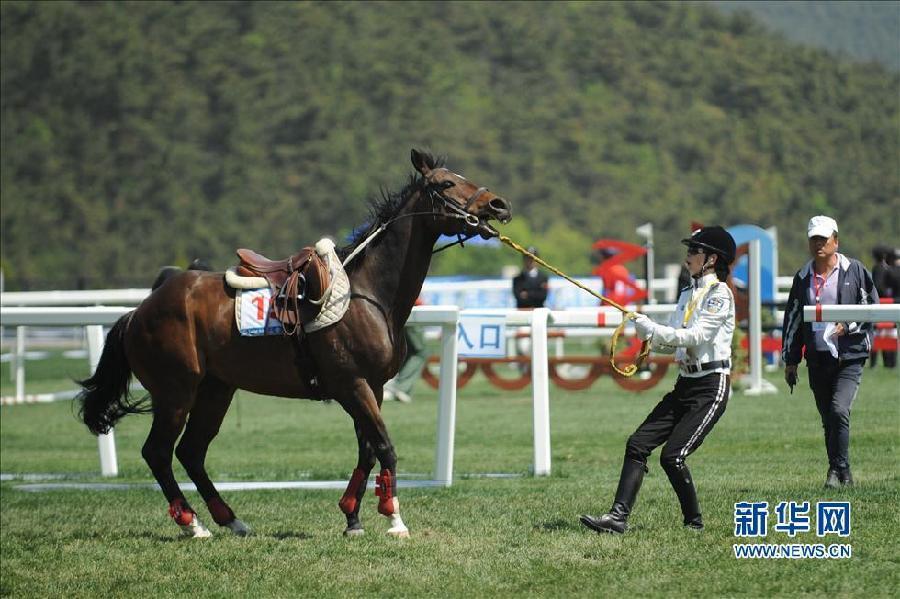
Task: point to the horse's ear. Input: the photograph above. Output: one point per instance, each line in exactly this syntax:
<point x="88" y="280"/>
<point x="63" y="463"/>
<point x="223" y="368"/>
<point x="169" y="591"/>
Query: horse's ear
<point x="421" y="161"/>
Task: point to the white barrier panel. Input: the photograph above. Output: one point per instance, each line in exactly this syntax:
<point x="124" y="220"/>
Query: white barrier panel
<point x="852" y="313"/>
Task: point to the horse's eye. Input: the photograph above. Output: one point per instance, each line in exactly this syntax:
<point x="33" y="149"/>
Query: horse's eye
<point x="447" y="184"/>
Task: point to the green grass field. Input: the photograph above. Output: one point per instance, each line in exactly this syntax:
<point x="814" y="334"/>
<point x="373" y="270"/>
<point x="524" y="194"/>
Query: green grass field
<point x="481" y="537"/>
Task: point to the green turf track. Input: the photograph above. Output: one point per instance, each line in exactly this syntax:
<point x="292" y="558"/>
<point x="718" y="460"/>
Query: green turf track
<point x="481" y="537"/>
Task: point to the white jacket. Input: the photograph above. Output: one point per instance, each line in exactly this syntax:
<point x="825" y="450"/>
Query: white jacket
<point x="707" y="333"/>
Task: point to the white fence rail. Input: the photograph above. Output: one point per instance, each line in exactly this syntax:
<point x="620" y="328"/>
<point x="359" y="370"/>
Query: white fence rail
<point x="92" y="297"/>
<point x="14" y="313"/>
<point x="852" y="313"/>
<point x="94" y="318"/>
<point x="132" y="297"/>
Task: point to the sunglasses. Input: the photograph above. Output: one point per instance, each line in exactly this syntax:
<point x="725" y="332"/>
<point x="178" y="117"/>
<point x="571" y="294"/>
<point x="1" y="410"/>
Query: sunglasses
<point x="694" y="250"/>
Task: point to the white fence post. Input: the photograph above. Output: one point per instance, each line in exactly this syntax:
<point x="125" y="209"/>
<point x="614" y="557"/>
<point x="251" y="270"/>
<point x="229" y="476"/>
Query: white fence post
<point x="540" y="386"/>
<point x="758" y="385"/>
<point x="19" y="358"/>
<point x="107" y="442"/>
<point x="447" y="404"/>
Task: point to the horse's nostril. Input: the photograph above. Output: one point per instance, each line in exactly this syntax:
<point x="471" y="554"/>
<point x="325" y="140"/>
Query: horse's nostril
<point x="499" y="205"/>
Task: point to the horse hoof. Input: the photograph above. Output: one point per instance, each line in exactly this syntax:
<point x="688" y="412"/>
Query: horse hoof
<point x="398" y="529"/>
<point x="195" y="529"/>
<point x="239" y="528"/>
<point x="399" y="533"/>
<point x="354" y="532"/>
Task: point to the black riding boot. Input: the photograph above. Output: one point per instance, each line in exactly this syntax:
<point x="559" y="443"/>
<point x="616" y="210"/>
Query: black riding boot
<point x="684" y="488"/>
<point x="616" y="521"/>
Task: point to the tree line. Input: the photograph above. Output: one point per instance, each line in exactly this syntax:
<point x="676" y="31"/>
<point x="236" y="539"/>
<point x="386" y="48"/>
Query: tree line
<point x="139" y="134"/>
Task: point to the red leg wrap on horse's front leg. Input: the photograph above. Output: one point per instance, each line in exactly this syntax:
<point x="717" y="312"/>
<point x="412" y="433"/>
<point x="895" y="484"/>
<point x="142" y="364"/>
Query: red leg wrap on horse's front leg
<point x="386" y="491"/>
<point x="349" y="502"/>
<point x="220" y="511"/>
<point x="180" y="511"/>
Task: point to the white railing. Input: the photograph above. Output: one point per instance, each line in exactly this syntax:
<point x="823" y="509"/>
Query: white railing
<point x="132" y="297"/>
<point x="90" y="297"/>
<point x="94" y="318"/>
<point x="447" y="317"/>
<point x="852" y="313"/>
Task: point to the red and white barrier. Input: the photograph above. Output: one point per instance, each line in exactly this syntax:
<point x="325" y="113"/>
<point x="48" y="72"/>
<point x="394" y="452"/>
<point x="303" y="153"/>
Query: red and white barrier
<point x="852" y="313"/>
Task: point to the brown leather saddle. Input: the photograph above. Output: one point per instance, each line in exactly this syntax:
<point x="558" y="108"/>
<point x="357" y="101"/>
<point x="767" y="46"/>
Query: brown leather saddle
<point x="297" y="284"/>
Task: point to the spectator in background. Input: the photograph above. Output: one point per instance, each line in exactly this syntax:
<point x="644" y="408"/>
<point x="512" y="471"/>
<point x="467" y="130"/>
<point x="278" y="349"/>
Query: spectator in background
<point x="893" y="276"/>
<point x="530" y="286"/>
<point x="530" y="290"/>
<point x="884" y="283"/>
<point x="835" y="352"/>
<point x="401" y="386"/>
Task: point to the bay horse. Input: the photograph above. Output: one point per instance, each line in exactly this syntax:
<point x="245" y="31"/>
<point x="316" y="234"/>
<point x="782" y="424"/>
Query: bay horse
<point x="184" y="347"/>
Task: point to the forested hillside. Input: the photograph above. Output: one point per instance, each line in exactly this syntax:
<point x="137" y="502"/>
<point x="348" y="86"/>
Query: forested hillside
<point x="141" y="134"/>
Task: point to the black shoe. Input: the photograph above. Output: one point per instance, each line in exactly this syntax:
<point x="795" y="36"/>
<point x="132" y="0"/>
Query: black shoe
<point x="611" y="523"/>
<point x="845" y="477"/>
<point x="832" y="481"/>
<point x="695" y="523"/>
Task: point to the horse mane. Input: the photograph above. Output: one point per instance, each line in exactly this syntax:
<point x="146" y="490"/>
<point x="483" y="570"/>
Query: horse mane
<point x="384" y="207"/>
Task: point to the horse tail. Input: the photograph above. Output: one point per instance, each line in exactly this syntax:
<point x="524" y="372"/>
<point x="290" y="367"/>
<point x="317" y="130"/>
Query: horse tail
<point x="104" y="397"/>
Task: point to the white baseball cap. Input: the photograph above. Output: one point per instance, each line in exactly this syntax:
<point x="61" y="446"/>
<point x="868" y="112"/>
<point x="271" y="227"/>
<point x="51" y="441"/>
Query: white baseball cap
<point x="821" y="226"/>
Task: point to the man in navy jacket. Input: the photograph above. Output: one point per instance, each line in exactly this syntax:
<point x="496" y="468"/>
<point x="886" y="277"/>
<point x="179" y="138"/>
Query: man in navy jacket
<point x="835" y="352"/>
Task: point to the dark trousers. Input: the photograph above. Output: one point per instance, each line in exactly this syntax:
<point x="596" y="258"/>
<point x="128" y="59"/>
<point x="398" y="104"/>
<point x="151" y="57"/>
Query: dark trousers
<point x="834" y="385"/>
<point x="681" y="420"/>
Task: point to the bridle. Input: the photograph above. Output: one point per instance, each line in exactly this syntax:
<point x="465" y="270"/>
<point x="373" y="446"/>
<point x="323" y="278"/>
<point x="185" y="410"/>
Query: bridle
<point x="435" y="192"/>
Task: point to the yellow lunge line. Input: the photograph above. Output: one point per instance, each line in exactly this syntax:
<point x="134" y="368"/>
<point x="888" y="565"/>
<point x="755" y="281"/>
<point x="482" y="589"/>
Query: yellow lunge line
<point x="628" y="370"/>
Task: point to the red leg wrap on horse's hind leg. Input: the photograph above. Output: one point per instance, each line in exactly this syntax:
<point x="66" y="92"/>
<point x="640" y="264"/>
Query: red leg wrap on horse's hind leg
<point x="386" y="491"/>
<point x="180" y="511"/>
<point x="220" y="511"/>
<point x="350" y="500"/>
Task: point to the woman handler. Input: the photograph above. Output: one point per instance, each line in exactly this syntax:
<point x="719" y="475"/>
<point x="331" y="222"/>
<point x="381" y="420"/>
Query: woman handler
<point x="699" y="333"/>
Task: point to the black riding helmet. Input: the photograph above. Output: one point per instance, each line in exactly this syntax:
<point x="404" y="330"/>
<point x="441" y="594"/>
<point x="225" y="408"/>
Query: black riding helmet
<point x="715" y="239"/>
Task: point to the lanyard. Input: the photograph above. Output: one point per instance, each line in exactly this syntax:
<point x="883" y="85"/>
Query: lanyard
<point x="696" y="297"/>
<point x="817" y="289"/>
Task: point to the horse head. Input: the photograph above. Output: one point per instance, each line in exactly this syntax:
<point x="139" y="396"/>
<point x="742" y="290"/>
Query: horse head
<point x="465" y="206"/>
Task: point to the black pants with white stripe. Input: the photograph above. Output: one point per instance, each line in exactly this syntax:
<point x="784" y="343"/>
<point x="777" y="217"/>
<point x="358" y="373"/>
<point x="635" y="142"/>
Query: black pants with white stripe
<point x="681" y="420"/>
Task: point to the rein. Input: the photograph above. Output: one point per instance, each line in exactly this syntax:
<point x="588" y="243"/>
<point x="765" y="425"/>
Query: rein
<point x="627" y="370"/>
